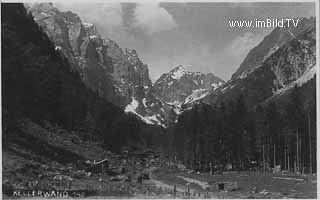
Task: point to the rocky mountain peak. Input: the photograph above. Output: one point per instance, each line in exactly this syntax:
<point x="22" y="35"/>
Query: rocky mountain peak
<point x="178" y="72"/>
<point x="45" y="7"/>
<point x="179" y="68"/>
<point x="178" y="84"/>
<point x="130" y="51"/>
<point x="91" y="30"/>
<point x="71" y="17"/>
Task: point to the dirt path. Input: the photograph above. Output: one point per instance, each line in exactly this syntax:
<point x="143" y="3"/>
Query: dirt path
<point x="202" y="184"/>
<point x="164" y="185"/>
<point x="159" y="183"/>
<point x="181" y="190"/>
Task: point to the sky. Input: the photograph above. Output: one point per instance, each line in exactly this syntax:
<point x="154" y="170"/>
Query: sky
<point x="196" y="35"/>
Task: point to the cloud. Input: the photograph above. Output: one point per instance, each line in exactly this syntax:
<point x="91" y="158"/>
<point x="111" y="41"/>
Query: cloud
<point x="106" y="14"/>
<point x="127" y="23"/>
<point x="153" y="18"/>
<point x="241" y="45"/>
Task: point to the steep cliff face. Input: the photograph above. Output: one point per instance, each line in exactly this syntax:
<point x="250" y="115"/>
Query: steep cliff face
<point x="129" y="72"/>
<point x="270" y="44"/>
<point x="102" y="64"/>
<point x="117" y="75"/>
<point x="81" y="44"/>
<point x="291" y="64"/>
<point x="180" y="86"/>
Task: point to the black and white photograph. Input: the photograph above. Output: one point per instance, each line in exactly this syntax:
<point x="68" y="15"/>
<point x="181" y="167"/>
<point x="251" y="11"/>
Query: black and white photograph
<point x="159" y="99"/>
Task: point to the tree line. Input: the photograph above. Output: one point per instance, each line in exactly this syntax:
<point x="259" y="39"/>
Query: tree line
<point x="277" y="134"/>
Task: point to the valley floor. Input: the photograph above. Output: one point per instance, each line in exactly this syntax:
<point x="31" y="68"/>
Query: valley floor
<point x="249" y="184"/>
<point x="163" y="181"/>
<point x="47" y="158"/>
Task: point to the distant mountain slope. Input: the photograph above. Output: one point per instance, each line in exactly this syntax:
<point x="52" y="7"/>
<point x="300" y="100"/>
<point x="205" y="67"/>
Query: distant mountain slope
<point x="271" y="43"/>
<point x="292" y="63"/>
<point x="179" y="86"/>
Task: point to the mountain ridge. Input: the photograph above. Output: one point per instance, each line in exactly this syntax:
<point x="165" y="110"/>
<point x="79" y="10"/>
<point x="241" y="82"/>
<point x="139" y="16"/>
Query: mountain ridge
<point x="280" y="70"/>
<point x="120" y="75"/>
<point x="278" y="37"/>
<point x="117" y="74"/>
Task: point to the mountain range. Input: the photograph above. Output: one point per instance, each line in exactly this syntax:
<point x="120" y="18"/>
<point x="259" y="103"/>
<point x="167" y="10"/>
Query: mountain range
<point x="284" y="57"/>
<point x="118" y="75"/>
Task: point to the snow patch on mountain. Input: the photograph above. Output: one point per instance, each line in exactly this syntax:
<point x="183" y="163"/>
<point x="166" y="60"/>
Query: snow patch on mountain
<point x="153" y="119"/>
<point x="92" y="36"/>
<point x="144" y="101"/>
<point x="227" y="87"/>
<point x="216" y="86"/>
<point x="45" y="14"/>
<point x="196" y="95"/>
<point x="178" y="73"/>
<point x="306" y="76"/>
<point x="175" y="103"/>
<point x="86" y="24"/>
<point x="132" y="106"/>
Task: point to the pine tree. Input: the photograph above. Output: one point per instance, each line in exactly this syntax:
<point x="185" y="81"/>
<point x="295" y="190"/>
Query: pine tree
<point x="273" y="123"/>
<point x="295" y="116"/>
